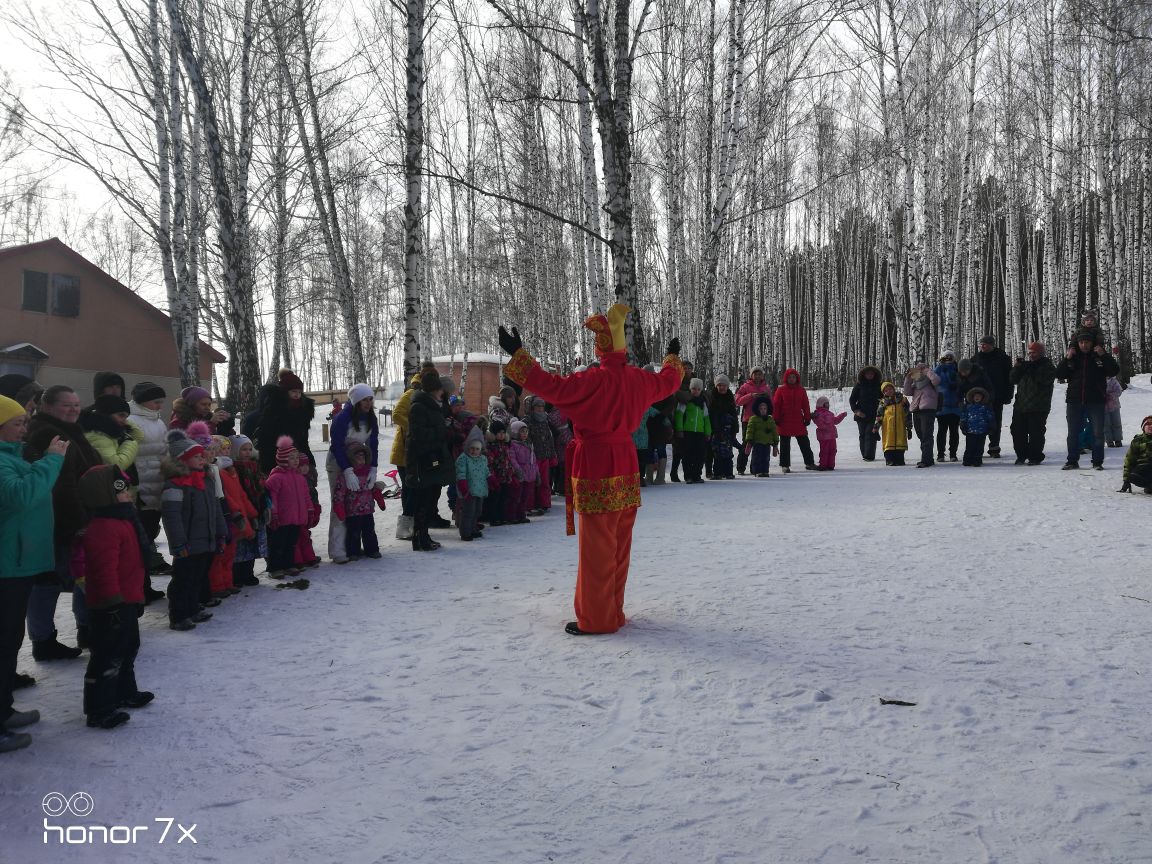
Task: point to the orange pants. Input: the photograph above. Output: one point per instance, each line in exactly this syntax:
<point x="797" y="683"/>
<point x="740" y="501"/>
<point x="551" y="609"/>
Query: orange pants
<point x="605" y="550"/>
<point x="220" y="574"/>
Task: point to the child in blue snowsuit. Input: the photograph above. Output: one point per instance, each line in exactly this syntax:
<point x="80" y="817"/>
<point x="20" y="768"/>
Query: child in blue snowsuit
<point x="976" y="419"/>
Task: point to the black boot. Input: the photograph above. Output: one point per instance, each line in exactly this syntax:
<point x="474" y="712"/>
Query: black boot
<point x="108" y="721"/>
<point x="51" y="649"/>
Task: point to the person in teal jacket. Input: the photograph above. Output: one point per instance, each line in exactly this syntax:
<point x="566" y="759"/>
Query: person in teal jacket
<point x="26" y="548"/>
<point x="694" y="427"/>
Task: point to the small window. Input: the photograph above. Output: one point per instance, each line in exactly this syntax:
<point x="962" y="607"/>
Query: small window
<point x="65" y="295"/>
<point x="17" y="367"/>
<point x="35" y="292"/>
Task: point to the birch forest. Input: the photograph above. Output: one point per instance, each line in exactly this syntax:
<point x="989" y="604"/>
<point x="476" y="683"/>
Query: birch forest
<point x="346" y="188"/>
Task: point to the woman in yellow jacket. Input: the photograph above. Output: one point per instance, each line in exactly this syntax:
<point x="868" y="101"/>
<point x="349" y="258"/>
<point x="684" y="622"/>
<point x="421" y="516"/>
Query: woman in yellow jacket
<point x="406" y="523"/>
<point x="892" y="420"/>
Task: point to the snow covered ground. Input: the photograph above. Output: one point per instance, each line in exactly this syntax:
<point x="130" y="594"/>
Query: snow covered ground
<point x="430" y="708"/>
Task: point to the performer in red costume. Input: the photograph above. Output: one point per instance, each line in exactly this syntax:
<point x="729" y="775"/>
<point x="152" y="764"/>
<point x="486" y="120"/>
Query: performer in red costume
<point x="605" y="405"/>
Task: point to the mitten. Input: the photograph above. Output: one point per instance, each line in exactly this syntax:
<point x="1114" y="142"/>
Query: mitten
<point x="351" y="481"/>
<point x="371" y="476"/>
<point x="339" y="511"/>
<point x="775" y="450"/>
<point x="180" y="552"/>
<point x="462" y="488"/>
<point x="748" y="449"/>
<point x="314" y="515"/>
<point x="1127" y="487"/>
<point x="510" y="343"/>
<point x="378" y="497"/>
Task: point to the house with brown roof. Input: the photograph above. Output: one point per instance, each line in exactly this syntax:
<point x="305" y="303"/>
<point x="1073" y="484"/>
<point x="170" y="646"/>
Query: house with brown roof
<point x="63" y="319"/>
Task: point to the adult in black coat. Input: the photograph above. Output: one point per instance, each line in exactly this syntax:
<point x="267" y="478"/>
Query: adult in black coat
<point x="1033" y="379"/>
<point x="723" y="412"/>
<point x="58" y="417"/>
<point x="682" y="396"/>
<point x="969" y="375"/>
<point x="864" y="401"/>
<point x="1086" y="368"/>
<point x="997" y="367"/>
<point x="429" y="458"/>
<point x="285" y="411"/>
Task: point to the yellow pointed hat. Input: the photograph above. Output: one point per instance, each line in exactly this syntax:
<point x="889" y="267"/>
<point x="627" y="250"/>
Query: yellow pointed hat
<point x="609" y="329"/>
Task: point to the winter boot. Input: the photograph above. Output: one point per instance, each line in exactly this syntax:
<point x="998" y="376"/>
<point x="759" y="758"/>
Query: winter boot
<point x="109" y="721"/>
<point x="20" y="680"/>
<point x="50" y="649"/>
<point x="20" y="719"/>
<point x="138" y="699"/>
<point x="406" y="528"/>
<point x="10" y="741"/>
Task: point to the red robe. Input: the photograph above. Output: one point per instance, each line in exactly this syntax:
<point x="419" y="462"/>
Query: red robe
<point x="605" y="405"/>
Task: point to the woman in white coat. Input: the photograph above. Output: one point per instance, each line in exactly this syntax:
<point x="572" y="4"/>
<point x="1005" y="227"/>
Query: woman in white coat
<point x="147" y="401"/>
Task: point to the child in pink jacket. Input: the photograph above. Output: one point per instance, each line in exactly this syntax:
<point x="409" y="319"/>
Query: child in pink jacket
<point x="524" y="459"/>
<point x="290" y="511"/>
<point x="826" y="423"/>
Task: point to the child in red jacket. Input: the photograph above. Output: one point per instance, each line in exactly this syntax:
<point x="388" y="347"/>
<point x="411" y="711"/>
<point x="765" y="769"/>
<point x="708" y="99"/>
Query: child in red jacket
<point x="305" y="555"/>
<point x="114" y="591"/>
<point x="239" y="513"/>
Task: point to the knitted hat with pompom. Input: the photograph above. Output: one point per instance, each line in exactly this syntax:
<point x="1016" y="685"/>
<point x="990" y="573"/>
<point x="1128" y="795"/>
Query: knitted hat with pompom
<point x="180" y="446"/>
<point x="285" y="450"/>
<point x="201" y="433"/>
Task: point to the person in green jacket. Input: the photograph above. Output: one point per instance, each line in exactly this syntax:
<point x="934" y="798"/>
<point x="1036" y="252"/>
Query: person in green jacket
<point x="693" y="428"/>
<point x="112" y="436"/>
<point x="1138" y="462"/>
<point x="762" y="436"/>
<point x="26" y="548"/>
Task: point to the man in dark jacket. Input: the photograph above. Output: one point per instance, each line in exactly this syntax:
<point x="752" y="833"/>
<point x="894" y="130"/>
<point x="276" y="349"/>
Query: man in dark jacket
<point x="864" y="401"/>
<point x="1086" y="368"/>
<point x="1033" y="379"/>
<point x="430" y="465"/>
<point x="996" y="366"/>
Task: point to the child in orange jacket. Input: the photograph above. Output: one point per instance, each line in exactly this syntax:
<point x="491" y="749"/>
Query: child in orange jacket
<point x="238" y="512"/>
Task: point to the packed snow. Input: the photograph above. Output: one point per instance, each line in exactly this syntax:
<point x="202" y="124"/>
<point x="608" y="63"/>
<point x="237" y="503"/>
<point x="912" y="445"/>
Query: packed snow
<point x="430" y="708"/>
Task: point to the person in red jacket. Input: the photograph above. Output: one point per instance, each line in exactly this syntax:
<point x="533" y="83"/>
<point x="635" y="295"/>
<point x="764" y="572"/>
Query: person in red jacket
<point x="746" y="398"/>
<point x="604" y="403"/>
<point x="114" y="591"/>
<point x="792" y="414"/>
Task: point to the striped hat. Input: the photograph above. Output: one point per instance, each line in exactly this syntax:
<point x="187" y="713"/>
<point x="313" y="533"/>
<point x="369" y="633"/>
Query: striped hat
<point x="285" y="450"/>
